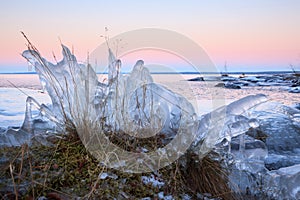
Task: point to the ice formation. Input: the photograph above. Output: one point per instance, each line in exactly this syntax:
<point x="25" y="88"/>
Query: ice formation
<point x="135" y="106"/>
<point x="130" y="104"/>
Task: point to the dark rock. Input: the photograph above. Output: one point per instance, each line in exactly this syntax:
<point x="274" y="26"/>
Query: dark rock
<point x="252" y="79"/>
<point x="276" y="121"/>
<point x="196" y="79"/>
<point x="220" y="85"/>
<point x="294" y="89"/>
<point x="229" y="78"/>
<point x="297" y="106"/>
<point x="241" y="83"/>
<point x="232" y="86"/>
<point x="212" y="78"/>
<point x="276" y="161"/>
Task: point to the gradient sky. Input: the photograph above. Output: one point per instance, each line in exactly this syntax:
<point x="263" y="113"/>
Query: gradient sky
<point x="250" y="35"/>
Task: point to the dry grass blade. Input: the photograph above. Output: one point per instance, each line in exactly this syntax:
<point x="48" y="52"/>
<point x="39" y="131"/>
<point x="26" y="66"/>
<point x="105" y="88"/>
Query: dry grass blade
<point x="11" y="169"/>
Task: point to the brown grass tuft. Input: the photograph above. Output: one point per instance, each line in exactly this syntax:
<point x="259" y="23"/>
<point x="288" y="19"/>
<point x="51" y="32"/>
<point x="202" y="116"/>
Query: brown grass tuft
<point x="207" y="176"/>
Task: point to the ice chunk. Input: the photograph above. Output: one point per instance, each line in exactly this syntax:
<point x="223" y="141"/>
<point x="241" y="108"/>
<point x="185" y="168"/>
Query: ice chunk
<point x="279" y="123"/>
<point x="243" y="105"/>
<point x="225" y="123"/>
<point x="224" y="132"/>
<point x="283" y="183"/>
<point x="104" y="175"/>
<point x="161" y="195"/>
<point x="154" y="181"/>
<point x="28" y="121"/>
<point x="14" y="137"/>
<point x="276" y="150"/>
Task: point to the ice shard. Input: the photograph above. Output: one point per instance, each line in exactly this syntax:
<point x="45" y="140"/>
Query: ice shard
<point x="70" y="85"/>
<point x="283" y="183"/>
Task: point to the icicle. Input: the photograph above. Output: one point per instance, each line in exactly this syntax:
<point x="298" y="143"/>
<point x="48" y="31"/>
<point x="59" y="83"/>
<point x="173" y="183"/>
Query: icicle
<point x="28" y="121"/>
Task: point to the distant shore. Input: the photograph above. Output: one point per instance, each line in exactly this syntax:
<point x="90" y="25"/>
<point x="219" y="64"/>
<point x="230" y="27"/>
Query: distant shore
<point x="183" y="72"/>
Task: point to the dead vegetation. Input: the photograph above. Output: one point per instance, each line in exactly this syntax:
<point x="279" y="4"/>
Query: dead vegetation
<point x="67" y="171"/>
<point x="207" y="176"/>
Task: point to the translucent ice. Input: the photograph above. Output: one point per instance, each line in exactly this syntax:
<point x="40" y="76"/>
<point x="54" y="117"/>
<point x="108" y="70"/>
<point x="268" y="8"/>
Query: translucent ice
<point x="131" y="104"/>
<point x="71" y="86"/>
<point x="283" y="183"/>
<point x="271" y="146"/>
<point x="134" y="106"/>
<point x="225" y="123"/>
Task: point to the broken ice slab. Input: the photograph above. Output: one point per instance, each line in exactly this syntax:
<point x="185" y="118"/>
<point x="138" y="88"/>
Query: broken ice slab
<point x="225" y="123"/>
<point x="277" y="161"/>
<point x="13" y="137"/>
<point x="283" y="183"/>
<point x="281" y="143"/>
<point x="279" y="123"/>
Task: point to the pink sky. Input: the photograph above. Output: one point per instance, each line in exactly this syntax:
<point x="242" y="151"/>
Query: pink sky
<point x="252" y="35"/>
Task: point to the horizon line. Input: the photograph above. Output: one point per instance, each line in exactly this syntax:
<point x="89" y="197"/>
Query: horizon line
<point x="189" y="72"/>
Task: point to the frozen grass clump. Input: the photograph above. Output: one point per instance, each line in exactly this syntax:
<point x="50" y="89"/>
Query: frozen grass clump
<point x="130" y="106"/>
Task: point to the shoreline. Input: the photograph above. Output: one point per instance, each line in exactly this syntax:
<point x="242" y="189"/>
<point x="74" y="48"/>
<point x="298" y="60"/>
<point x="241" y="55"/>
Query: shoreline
<point x="186" y="72"/>
<point x="204" y="96"/>
<point x="177" y="83"/>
